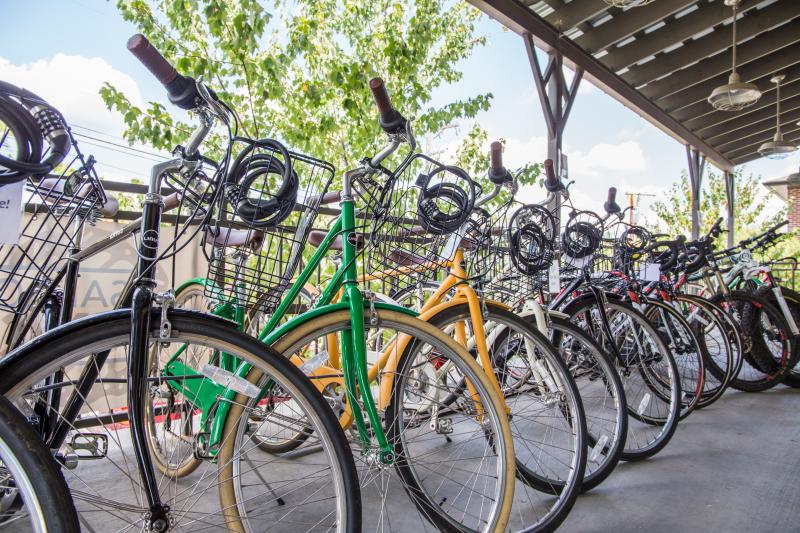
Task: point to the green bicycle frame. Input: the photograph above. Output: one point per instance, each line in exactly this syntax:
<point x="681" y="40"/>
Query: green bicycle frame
<point x="208" y="394"/>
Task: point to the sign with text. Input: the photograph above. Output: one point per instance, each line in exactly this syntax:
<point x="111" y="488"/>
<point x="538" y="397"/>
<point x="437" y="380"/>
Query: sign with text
<point x="10" y="212"/>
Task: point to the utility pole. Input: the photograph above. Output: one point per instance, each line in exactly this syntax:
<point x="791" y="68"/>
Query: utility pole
<point x="638" y="198"/>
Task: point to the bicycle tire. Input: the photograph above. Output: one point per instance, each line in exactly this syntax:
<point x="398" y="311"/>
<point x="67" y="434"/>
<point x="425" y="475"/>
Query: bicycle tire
<point x="759" y="371"/>
<point x="792" y="378"/>
<point x="639" y="400"/>
<point x="561" y="327"/>
<point x="94" y="334"/>
<point x="32" y="483"/>
<point x="687" y="351"/>
<point x="712" y="328"/>
<point x="532" y="451"/>
<point x="432" y="511"/>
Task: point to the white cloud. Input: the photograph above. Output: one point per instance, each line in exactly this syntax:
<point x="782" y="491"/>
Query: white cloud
<point x="71" y="84"/>
<point x="586" y="87"/>
<point x="626" y="156"/>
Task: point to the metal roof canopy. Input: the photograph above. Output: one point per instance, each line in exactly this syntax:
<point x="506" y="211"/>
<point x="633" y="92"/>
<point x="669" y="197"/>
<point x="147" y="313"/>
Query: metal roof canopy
<point x="662" y="60"/>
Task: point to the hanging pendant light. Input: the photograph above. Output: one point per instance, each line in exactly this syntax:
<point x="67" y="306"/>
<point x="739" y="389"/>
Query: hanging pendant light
<point x="627" y="3"/>
<point x="777" y="148"/>
<point x="735" y="95"/>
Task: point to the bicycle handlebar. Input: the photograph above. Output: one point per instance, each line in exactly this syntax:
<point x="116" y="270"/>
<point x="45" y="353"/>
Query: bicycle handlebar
<point x="391" y="120"/>
<point x="611" y="205"/>
<point x="498" y="174"/>
<point x="181" y="89"/>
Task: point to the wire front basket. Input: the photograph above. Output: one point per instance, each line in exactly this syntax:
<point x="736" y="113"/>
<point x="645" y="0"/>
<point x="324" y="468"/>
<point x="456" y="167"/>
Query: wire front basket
<point x="420" y="218"/>
<point x="253" y="255"/>
<point x="56" y="208"/>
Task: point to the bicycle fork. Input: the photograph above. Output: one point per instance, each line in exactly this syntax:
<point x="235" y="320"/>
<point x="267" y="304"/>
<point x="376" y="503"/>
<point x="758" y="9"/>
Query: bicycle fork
<point x="158" y="516"/>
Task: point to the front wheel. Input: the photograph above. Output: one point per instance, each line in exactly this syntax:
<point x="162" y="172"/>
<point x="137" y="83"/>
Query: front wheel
<point x="33" y="494"/>
<point x="452" y="446"/>
<point x="646" y="367"/>
<point x="268" y="491"/>
<point x="547" y="418"/>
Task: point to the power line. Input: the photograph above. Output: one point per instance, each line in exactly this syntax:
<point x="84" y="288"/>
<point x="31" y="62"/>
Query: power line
<point x="131" y="148"/>
<point x="97" y="131"/>
<point x="129" y="154"/>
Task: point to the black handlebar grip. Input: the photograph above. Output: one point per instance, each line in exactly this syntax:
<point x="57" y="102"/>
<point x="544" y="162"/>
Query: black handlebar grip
<point x="381" y="96"/>
<point x="611" y="206"/>
<point x="151" y="58"/>
<point x="182" y="90"/>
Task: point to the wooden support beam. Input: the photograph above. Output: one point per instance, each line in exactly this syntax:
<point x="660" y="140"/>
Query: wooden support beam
<point x="522" y="20"/>
<point x="757" y="72"/>
<point x="790" y="134"/>
<point x="570" y="15"/>
<point x="765" y="44"/>
<point x="675" y="31"/>
<point x="697" y="164"/>
<point x="730" y="196"/>
<point x="744" y="121"/>
<point x="628" y="23"/>
<point x="730" y="141"/>
<point x="752" y="24"/>
<point x="753" y="154"/>
<point x="704" y="116"/>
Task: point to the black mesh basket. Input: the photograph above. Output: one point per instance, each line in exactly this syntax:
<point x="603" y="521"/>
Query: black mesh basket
<point x="581" y="239"/>
<point x="521" y="253"/>
<point x="420" y="217"/>
<point x="56" y="208"/>
<point x="253" y="261"/>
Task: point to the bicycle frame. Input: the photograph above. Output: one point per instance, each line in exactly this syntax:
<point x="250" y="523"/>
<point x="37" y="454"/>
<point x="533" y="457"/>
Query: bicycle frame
<point x="355" y="372"/>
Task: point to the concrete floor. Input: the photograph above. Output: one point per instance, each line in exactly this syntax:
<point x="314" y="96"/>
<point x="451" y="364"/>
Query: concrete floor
<point x="734" y="466"/>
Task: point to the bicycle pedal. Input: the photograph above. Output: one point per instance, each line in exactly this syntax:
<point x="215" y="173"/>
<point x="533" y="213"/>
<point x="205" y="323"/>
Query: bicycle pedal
<point x="95" y="445"/>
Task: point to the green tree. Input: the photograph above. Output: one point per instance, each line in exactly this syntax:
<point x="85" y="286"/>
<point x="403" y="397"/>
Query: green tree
<point x="298" y="71"/>
<point x="750" y="197"/>
<point x="473" y="156"/>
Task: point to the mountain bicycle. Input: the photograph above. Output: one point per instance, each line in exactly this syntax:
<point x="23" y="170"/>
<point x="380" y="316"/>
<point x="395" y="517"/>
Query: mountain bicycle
<point x="769" y="350"/>
<point x="749" y="274"/>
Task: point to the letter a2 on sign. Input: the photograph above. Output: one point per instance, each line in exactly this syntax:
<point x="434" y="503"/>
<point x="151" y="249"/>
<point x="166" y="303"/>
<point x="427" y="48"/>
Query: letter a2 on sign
<point x="11" y="212"/>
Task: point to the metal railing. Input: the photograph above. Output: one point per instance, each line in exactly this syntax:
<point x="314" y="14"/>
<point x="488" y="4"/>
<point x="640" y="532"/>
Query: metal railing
<point x="785" y="270"/>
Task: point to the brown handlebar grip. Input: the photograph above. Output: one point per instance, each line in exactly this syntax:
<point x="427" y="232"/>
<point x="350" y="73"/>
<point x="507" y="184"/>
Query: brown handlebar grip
<point x="612" y="195"/>
<point x="550" y="172"/>
<point x="331" y="197"/>
<point x="496" y="154"/>
<point x="381" y="96"/>
<point x="151" y="58"/>
<point x="171" y="202"/>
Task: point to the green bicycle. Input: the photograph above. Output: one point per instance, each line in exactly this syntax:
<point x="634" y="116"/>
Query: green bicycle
<point x="389" y="375"/>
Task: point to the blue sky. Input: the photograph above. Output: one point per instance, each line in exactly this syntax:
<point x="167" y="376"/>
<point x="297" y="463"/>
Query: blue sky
<point x="66" y="54"/>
